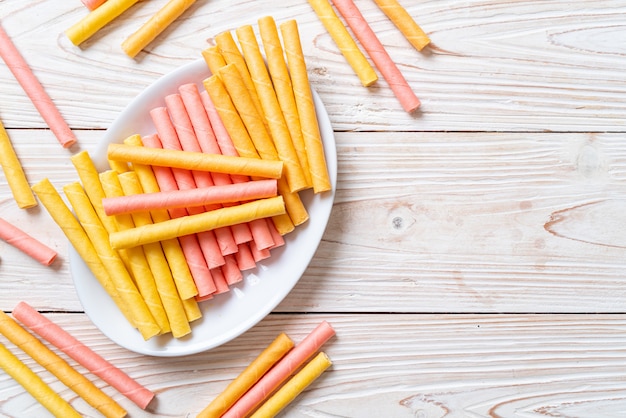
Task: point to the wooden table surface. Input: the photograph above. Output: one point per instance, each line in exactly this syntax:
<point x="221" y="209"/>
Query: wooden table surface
<point x="474" y="262"/>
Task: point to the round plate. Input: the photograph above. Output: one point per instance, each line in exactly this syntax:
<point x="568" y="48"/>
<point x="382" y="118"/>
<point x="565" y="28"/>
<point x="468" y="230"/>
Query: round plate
<point x="228" y="315"/>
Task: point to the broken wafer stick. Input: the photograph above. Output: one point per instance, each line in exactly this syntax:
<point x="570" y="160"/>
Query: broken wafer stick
<point x="14" y="173"/>
<point x="82" y="354"/>
<point x="196" y="161"/>
<point x="404" y="22"/>
<point x="34" y="385"/>
<point x="59" y="368"/>
<point x="153" y="27"/>
<point x="347" y="46"/>
<point x="26" y="243"/>
<point x="192" y="224"/>
<point x="378" y="54"/>
<point x="35" y="91"/>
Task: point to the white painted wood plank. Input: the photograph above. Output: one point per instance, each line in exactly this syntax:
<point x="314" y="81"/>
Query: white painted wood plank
<point x="493" y="65"/>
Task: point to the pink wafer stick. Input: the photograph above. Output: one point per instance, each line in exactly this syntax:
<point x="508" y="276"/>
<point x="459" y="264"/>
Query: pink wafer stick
<point x="82" y="354"/>
<point x="93" y="4"/>
<point x="258" y="254"/>
<point x="27" y="244"/>
<point x="379" y="55"/>
<point x="244" y="257"/>
<point x="281" y="371"/>
<point x="35" y="91"/>
<point x="231" y="270"/>
<point x="189" y="243"/>
<point x="201" y="196"/>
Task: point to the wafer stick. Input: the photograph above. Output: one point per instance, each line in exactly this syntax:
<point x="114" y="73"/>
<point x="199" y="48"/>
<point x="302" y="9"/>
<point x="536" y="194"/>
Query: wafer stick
<point x="281" y="81"/>
<point x="378" y="54"/>
<point x="153" y="27"/>
<point x="93" y="4"/>
<point x="294" y="387"/>
<point x="59" y="367"/>
<point x="281" y="371"/>
<point x="306" y="107"/>
<point x="14" y="172"/>
<point x="76" y="235"/>
<point x="35" y="385"/>
<point x="230" y="270"/>
<point x="35" y="91"/>
<point x="193" y="224"/>
<point x="270" y="105"/>
<point x="26" y="243"/>
<point x="157" y="261"/>
<point x="87" y="26"/>
<point x="245" y="261"/>
<point x="122" y="280"/>
<point x="255" y="370"/>
<point x="196" y="161"/>
<point x="252" y="190"/>
<point x="184" y="255"/>
<point x="139" y="266"/>
<point x="82" y="354"/>
<point x="404" y="22"/>
<point x="347" y="45"/>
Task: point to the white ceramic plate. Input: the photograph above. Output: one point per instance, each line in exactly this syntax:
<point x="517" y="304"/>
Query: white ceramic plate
<point x="228" y="315"/>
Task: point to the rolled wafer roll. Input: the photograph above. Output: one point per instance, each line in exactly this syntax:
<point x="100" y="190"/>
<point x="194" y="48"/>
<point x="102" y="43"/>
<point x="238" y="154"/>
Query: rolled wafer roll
<point x="404" y="22"/>
<point x="153" y="27"/>
<point x="306" y="107"/>
<point x="34" y="385"/>
<point x="378" y="54"/>
<point x="14" y="173"/>
<point x="294" y="386"/>
<point x="347" y="45"/>
<point x="143" y="319"/>
<point x="247" y="378"/>
<point x="196" y="161"/>
<point x="76" y="235"/>
<point x="158" y="264"/>
<point x="87" y="26"/>
<point x="213" y="58"/>
<point x="82" y="354"/>
<point x="26" y="243"/>
<point x="193" y="224"/>
<point x="92" y="4"/>
<point x="59" y="367"/>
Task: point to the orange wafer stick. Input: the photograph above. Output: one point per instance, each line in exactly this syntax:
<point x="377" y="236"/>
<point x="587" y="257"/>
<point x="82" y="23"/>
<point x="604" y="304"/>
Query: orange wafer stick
<point x="153" y="27"/>
<point x="34" y="385"/>
<point x="27" y="244"/>
<point x="343" y="39"/>
<point x="251" y="190"/>
<point x="378" y="54"/>
<point x="306" y="107"/>
<point x="59" y="368"/>
<point x="14" y="173"/>
<point x="35" y="91"/>
<point x="255" y="370"/>
<point x="82" y="354"/>
<point x="86" y="27"/>
<point x="404" y="22"/>
<point x="281" y="371"/>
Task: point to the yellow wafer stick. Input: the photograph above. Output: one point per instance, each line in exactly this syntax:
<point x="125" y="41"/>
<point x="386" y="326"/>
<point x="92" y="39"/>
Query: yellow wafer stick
<point x="76" y="235"/>
<point x="97" y="19"/>
<point x="294" y="386"/>
<point x="404" y="22"/>
<point x="122" y="280"/>
<point x="344" y="41"/>
<point x="306" y="107"/>
<point x="193" y="224"/>
<point x="140" y="268"/>
<point x="14" y="173"/>
<point x="196" y="161"/>
<point x="213" y="58"/>
<point x="158" y="264"/>
<point x="153" y="27"/>
<point x="271" y="109"/>
<point x="284" y="92"/>
<point x="35" y="385"/>
<point x="59" y="367"/>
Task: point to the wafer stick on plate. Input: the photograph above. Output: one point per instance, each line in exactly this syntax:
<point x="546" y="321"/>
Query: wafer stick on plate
<point x="35" y="91"/>
<point x="26" y="243"/>
<point x="404" y="22"/>
<point x="14" y="173"/>
<point x="82" y="354"/>
<point x="59" y="368"/>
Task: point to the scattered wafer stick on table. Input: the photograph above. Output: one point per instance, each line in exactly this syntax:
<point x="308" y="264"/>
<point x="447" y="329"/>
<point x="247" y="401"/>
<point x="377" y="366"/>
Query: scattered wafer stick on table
<point x="86" y="27"/>
<point x="14" y="173"/>
<point x="26" y="243"/>
<point x="404" y="22"/>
